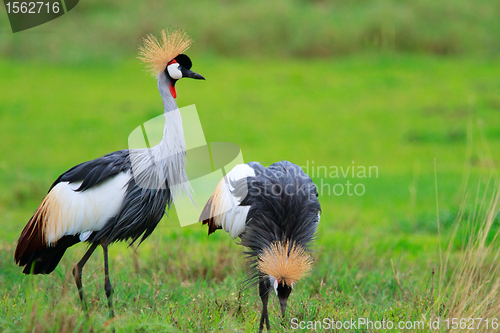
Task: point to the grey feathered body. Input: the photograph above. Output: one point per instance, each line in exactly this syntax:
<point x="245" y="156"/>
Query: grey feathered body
<point x="138" y="184"/>
<point x="284" y="207"/>
<point x="142" y="208"/>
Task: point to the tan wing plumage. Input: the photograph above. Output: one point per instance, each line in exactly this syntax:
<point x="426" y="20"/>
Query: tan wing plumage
<point x="223" y="210"/>
<point x="65" y="211"/>
<point x="212" y="210"/>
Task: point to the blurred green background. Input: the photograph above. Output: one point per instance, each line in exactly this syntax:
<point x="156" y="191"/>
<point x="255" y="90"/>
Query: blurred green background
<point x="411" y="87"/>
<point x="99" y="30"/>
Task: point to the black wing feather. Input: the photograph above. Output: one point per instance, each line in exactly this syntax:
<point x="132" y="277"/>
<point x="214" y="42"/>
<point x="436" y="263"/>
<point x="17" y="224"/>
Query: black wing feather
<point x="275" y="217"/>
<point x="94" y="172"/>
<point x="142" y="208"/>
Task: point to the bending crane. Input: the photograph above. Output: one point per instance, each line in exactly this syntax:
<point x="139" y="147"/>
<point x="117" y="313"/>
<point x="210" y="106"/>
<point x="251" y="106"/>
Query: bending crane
<point x="275" y="212"/>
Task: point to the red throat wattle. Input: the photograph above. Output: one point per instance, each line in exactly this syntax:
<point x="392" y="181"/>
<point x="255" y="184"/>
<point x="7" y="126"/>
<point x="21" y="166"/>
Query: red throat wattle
<point x="172" y="90"/>
<point x="170" y="85"/>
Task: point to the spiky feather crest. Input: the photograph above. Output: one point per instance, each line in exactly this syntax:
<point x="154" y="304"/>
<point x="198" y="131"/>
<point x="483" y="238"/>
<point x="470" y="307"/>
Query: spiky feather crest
<point x="286" y="262"/>
<point x="157" y="54"/>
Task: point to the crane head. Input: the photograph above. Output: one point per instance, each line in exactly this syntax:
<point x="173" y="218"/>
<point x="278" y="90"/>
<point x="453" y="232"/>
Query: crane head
<point x="179" y="68"/>
<point x="165" y="55"/>
<point x="284" y="263"/>
<point x="282" y="290"/>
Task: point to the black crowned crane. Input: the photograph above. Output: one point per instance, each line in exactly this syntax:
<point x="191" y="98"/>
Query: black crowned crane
<point x="118" y="197"/>
<point x="275" y="212"/>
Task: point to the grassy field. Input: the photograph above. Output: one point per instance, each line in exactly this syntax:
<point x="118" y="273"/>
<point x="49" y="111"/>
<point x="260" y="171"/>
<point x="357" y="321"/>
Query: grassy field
<point x="377" y="254"/>
<point x="272" y="29"/>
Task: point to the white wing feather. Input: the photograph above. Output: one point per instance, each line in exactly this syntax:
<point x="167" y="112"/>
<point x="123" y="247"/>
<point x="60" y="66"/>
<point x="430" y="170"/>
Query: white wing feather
<point x="225" y="205"/>
<point x="69" y="212"/>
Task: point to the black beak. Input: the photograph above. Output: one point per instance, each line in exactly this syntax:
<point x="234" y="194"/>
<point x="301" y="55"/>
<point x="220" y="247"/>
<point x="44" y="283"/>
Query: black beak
<point x="283" y="306"/>
<point x="189" y="73"/>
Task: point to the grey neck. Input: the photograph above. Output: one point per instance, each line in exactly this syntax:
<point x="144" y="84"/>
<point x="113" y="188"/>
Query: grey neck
<point x="172" y="131"/>
<point x="165" y="161"/>
<point x="169" y="103"/>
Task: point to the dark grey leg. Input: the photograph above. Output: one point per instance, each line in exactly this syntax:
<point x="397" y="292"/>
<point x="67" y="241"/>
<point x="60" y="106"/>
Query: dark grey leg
<point x="264" y="287"/>
<point x="107" y="284"/>
<point x="77" y="273"/>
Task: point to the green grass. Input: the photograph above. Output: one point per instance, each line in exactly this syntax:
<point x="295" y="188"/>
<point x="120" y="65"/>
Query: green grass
<point x="401" y="113"/>
<point x="94" y="29"/>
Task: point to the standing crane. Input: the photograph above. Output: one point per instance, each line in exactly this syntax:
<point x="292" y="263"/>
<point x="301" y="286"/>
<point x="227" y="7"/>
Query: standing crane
<point x="118" y="197"/>
<point x="275" y="212"/>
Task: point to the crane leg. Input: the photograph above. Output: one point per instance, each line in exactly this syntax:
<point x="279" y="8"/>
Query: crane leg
<point x="107" y="284"/>
<point x="264" y="287"/>
<point x="77" y="273"/>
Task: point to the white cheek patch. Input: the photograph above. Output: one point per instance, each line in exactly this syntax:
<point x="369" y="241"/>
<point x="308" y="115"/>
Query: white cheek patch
<point x="274" y="283"/>
<point x="174" y="71"/>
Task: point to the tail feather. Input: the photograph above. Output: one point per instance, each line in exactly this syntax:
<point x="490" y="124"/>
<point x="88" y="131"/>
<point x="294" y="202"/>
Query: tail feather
<point x="44" y="261"/>
<point x="34" y="253"/>
<point x="207" y="218"/>
<point x="31" y="241"/>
